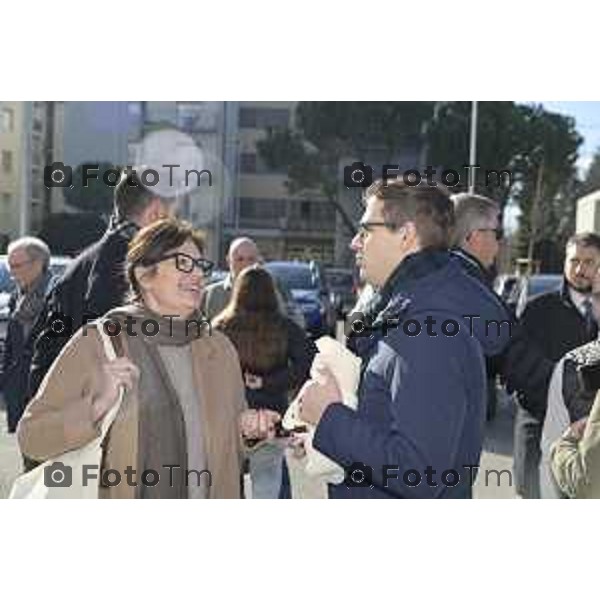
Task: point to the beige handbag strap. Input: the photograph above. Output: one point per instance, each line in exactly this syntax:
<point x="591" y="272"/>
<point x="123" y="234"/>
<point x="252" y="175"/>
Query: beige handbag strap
<point x="109" y="350"/>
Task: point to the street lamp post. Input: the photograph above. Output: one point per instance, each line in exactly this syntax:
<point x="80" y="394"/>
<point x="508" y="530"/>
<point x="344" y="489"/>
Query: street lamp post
<point x="473" y="147"/>
<point x="25" y="183"/>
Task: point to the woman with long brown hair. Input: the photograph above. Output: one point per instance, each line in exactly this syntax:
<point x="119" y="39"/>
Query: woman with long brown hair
<point x="275" y="357"/>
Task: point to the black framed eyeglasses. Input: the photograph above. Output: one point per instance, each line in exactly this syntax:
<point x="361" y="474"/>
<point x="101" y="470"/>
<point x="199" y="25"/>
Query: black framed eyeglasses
<point x="186" y="263"/>
<point x="368" y="226"/>
<point x="497" y="231"/>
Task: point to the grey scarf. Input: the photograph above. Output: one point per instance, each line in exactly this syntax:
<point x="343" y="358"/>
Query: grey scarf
<point x="161" y="426"/>
<point x="30" y="303"/>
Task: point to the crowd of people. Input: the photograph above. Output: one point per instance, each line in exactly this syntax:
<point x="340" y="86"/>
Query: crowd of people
<point x="213" y="399"/>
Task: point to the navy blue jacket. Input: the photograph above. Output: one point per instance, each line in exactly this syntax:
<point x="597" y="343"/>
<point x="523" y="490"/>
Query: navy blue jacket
<point x="422" y="397"/>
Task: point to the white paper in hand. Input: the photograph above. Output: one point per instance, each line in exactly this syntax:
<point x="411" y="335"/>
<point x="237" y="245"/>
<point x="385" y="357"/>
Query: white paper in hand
<point x="345" y="366"/>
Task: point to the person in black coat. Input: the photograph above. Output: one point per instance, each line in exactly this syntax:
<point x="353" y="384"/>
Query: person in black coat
<point x="95" y="281"/>
<point x="556" y="323"/>
<point x="522" y="366"/>
<point x="476" y="242"/>
<point x="28" y="261"/>
<point x="275" y="356"/>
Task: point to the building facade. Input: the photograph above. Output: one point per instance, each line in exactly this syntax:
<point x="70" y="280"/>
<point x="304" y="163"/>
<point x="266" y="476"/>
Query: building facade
<point x="26" y="146"/>
<point x="285" y="226"/>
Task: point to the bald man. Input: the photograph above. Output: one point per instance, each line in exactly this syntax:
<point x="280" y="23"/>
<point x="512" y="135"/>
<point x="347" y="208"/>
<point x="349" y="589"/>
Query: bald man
<point x="242" y="253"/>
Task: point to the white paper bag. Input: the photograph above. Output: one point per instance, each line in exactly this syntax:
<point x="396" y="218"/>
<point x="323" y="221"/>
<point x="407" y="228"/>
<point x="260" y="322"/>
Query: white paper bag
<point x="69" y="466"/>
<point x="346" y="368"/>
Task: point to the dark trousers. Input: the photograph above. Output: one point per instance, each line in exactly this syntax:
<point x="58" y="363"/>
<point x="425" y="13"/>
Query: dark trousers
<point x="527" y="453"/>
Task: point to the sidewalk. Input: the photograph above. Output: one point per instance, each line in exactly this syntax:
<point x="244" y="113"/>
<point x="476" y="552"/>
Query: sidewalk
<point x="10" y="460"/>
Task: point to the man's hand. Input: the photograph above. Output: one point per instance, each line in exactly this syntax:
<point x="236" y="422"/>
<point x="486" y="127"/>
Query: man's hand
<point x="317" y="394"/>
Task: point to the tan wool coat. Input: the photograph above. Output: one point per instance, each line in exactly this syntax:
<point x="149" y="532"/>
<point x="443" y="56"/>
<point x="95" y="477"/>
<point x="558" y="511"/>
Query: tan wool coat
<point x="59" y="417"/>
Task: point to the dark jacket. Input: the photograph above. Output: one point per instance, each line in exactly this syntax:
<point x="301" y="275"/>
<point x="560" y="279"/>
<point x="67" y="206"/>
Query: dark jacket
<point x="522" y="365"/>
<point x="16" y="358"/>
<point x="472" y="266"/>
<point x="553" y="326"/>
<point x="421" y="398"/>
<point x="93" y="283"/>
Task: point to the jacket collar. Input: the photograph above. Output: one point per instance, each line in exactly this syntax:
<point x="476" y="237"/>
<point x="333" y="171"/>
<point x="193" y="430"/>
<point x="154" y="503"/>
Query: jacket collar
<point x="471" y="260"/>
<point x="393" y="299"/>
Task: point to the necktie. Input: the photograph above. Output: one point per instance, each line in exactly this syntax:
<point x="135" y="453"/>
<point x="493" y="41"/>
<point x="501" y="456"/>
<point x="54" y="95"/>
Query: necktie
<point x="591" y="327"/>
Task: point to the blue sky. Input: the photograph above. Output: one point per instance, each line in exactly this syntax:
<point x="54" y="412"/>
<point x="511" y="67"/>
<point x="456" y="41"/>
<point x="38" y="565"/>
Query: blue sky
<point x="587" y="118"/>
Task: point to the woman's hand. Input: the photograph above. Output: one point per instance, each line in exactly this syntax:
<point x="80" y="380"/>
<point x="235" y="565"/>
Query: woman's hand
<point x="116" y="373"/>
<point x="253" y="382"/>
<point x="258" y="424"/>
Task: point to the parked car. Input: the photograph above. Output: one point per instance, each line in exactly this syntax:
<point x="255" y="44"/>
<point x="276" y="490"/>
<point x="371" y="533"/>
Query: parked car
<point x="216" y="276"/>
<point x="343" y="289"/>
<point x="292" y="308"/>
<point x="504" y="285"/>
<point x="530" y="286"/>
<point x="308" y="287"/>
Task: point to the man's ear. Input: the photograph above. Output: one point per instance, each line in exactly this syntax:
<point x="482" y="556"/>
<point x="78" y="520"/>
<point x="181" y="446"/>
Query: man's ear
<point x="409" y="232"/>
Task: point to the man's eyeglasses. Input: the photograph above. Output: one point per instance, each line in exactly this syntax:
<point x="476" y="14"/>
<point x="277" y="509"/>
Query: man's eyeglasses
<point x="186" y="263"/>
<point x="497" y="231"/>
<point x="368" y="226"/>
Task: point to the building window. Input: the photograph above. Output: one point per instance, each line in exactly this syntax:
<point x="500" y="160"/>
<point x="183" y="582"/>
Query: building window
<point x="273" y="117"/>
<point x="6" y="200"/>
<point x="248" y="162"/>
<point x="7" y="161"/>
<point x="197" y="116"/>
<point x="7" y="120"/>
<point x="263" y="118"/>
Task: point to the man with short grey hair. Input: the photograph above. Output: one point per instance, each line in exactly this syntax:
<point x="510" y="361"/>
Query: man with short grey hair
<point x="477" y="233"/>
<point x="242" y="253"/>
<point x="475" y="242"/>
<point x="28" y="262"/>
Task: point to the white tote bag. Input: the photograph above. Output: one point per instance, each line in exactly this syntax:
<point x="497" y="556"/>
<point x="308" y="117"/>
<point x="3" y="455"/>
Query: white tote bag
<point x="345" y="366"/>
<point x="63" y="475"/>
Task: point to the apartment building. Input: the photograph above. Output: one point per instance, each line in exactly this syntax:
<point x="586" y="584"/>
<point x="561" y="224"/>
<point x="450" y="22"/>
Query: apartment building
<point x="26" y="146"/>
<point x="285" y="226"/>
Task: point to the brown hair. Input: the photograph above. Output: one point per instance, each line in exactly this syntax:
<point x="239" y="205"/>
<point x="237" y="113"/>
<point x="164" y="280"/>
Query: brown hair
<point x="254" y="323"/>
<point x="154" y="241"/>
<point x="587" y="240"/>
<point x="429" y="207"/>
<point x="131" y="197"/>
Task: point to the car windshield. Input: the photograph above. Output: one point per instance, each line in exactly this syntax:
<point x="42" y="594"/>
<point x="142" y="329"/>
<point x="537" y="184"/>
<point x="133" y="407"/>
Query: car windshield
<point x="340" y="280"/>
<point x="296" y="278"/>
<point x="544" y="283"/>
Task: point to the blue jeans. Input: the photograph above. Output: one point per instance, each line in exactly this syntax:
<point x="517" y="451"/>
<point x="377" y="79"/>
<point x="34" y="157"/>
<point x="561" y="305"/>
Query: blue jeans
<point x="268" y="472"/>
<point x="527" y="453"/>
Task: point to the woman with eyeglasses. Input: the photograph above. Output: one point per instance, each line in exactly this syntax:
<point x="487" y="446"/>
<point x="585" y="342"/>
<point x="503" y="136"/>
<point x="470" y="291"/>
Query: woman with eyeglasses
<point x="184" y="414"/>
<point x="275" y="355"/>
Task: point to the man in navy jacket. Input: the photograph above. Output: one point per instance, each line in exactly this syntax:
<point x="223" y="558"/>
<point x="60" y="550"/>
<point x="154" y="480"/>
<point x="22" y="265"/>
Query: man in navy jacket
<point x="418" y="428"/>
